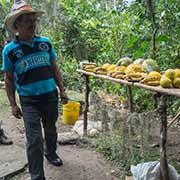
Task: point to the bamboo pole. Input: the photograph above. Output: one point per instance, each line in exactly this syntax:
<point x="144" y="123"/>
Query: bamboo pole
<point x="87" y="90"/>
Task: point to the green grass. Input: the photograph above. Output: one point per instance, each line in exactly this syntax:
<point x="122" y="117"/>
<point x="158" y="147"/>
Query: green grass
<point x="3" y="99"/>
<point x="73" y="95"/>
<point x="4" y="105"/>
<point x="111" y="145"/>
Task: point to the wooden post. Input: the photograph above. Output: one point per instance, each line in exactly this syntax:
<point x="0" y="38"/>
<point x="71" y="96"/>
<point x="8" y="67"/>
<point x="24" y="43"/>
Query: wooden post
<point x="162" y="109"/>
<point x="87" y="90"/>
<point x="156" y="97"/>
<point x="130" y="99"/>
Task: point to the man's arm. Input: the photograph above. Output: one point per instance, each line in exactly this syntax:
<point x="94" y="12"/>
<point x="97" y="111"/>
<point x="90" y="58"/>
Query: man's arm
<point x="10" y="90"/>
<point x="59" y="82"/>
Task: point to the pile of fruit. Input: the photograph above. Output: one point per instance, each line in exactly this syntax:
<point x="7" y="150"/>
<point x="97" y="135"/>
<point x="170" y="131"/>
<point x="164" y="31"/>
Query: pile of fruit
<point x="170" y="78"/>
<point x="140" y="70"/>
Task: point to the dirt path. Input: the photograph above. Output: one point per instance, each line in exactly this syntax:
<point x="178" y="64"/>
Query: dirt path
<point x="79" y="163"/>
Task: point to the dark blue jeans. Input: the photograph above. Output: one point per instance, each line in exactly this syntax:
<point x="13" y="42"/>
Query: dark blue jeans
<point x="37" y="111"/>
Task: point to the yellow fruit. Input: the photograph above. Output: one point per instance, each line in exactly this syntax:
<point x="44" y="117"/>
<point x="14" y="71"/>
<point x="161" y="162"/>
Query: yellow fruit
<point x="125" y="77"/>
<point x="170" y="73"/>
<point x="177" y="73"/>
<point x="150" y="78"/>
<point x="153" y="83"/>
<point x="118" y="75"/>
<point x="176" y="82"/>
<point x="106" y="66"/>
<point x="129" y="71"/>
<point x="135" y="75"/>
<point x="111" y="67"/>
<point x="121" y="69"/>
<point x="111" y="73"/>
<point x="135" y="67"/>
<point x="165" y="82"/>
<point x="134" y="78"/>
<point x="89" y="66"/>
<point x="89" y="69"/>
<point x="100" y="70"/>
<point x="83" y="64"/>
<point x="155" y="73"/>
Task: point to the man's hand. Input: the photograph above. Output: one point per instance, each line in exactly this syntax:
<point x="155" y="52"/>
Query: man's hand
<point x="16" y="111"/>
<point x="64" y="98"/>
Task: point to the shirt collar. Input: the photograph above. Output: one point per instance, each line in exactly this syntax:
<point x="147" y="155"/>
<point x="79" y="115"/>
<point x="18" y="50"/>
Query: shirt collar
<point x="24" y="42"/>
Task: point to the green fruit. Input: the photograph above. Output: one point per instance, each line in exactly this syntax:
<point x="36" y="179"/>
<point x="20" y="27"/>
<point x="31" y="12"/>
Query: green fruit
<point x="170" y="73"/>
<point x="176" y="82"/>
<point x="177" y="72"/>
<point x="165" y="82"/>
<point x="150" y="65"/>
<point x="124" y="61"/>
<point x="139" y="61"/>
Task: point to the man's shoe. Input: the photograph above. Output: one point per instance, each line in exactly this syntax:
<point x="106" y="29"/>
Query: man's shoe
<point x="4" y="139"/>
<point x="54" y="160"/>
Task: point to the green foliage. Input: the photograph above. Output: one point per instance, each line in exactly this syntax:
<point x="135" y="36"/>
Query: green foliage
<point x="173" y="105"/>
<point x="111" y="145"/>
<point x="141" y="99"/>
<point x="70" y="76"/>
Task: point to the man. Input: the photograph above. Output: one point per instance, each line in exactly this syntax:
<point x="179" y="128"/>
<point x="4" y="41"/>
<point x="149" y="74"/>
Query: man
<point x="30" y="67"/>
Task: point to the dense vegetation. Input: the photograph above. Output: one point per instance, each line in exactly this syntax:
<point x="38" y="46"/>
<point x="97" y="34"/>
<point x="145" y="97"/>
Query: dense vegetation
<point x="105" y="31"/>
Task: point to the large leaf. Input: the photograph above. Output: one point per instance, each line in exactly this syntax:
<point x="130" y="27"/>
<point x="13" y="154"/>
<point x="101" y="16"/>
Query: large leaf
<point x="162" y="38"/>
<point x="139" y="53"/>
<point x="132" y="40"/>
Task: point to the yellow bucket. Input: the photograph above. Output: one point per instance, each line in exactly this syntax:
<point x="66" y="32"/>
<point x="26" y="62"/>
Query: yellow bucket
<point x="70" y="113"/>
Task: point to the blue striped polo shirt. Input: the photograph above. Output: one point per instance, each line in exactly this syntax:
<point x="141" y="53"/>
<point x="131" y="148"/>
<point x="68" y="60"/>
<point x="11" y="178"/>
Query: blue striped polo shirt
<point x="31" y="64"/>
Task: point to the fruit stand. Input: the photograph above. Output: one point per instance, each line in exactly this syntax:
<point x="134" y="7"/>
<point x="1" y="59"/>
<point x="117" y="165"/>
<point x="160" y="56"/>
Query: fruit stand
<point x="161" y="93"/>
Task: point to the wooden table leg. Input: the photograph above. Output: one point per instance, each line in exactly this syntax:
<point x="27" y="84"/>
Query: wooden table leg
<point x="163" y="138"/>
<point x="130" y="99"/>
<point x="156" y="97"/>
<point x="87" y="90"/>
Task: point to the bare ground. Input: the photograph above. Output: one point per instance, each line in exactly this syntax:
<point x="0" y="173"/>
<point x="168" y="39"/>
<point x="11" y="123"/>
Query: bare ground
<point x="79" y="163"/>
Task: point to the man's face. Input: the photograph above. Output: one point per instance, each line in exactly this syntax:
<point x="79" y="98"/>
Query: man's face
<point x="26" y="24"/>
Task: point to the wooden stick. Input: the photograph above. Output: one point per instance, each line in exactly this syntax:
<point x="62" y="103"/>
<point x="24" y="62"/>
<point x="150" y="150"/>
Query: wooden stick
<point x="174" y="119"/>
<point x="162" y="109"/>
<point x="130" y="99"/>
<point x="159" y="89"/>
<point x="86" y="105"/>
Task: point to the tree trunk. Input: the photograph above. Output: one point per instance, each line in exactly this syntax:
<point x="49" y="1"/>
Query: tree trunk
<point x="154" y="27"/>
